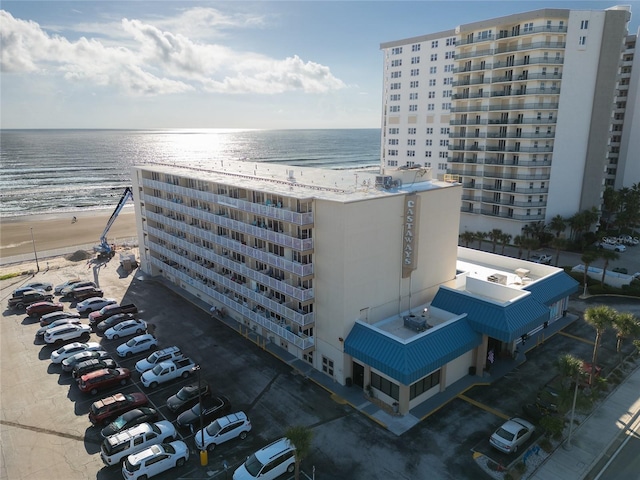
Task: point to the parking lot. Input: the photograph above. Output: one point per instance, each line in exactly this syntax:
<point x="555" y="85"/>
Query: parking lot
<point x="46" y="433"/>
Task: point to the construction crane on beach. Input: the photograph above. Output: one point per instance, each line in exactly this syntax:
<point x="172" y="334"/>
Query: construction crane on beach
<point x="104" y="250"/>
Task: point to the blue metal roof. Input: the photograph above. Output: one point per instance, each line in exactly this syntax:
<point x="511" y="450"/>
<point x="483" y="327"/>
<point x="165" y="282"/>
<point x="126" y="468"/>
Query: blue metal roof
<point x="551" y="289"/>
<point x="505" y="323"/>
<point x="409" y="362"/>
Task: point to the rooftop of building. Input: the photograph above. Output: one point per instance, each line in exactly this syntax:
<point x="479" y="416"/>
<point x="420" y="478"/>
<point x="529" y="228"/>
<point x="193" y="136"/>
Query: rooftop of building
<point x="306" y="182"/>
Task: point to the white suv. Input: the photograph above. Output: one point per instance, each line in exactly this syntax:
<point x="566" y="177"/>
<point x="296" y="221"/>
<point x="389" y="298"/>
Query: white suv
<point x="66" y="332"/>
<point x="222" y="430"/>
<point x="154" y="460"/>
<point x="269" y="462"/>
<point x="169" y="353"/>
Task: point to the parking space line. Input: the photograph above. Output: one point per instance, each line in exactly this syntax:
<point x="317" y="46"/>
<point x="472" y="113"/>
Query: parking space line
<point x="588" y="342"/>
<point x="483" y="406"/>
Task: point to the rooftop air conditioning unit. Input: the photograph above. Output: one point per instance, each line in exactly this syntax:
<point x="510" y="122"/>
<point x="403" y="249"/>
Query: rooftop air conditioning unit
<point x="498" y="278"/>
<point x="384" y="181"/>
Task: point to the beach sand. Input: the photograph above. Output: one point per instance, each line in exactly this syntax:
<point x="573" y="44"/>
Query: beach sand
<point x="56" y="231"/>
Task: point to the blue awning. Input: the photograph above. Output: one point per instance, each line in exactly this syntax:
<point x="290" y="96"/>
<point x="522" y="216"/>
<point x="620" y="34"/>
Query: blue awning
<point x="504" y="322"/>
<point x="408" y="363"/>
<point x="551" y="289"/>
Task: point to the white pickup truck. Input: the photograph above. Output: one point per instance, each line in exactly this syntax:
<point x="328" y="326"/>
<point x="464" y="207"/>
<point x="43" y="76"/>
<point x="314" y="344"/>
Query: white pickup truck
<point x="166" y="371"/>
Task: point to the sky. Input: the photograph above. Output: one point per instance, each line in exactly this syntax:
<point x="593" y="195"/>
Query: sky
<point x="236" y="64"/>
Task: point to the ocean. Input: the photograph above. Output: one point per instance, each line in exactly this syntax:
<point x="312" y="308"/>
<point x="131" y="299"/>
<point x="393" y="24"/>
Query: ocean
<point x="47" y="171"/>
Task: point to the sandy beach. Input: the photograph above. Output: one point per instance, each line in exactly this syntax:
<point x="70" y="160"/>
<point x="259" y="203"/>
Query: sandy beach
<point x="55" y="231"/>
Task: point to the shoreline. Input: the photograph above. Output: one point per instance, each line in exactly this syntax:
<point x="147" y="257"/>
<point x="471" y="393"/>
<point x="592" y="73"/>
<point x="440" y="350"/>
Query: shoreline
<point x="23" y="234"/>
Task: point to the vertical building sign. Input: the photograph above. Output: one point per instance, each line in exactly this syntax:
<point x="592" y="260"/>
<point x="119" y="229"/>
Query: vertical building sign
<point x="410" y="234"/>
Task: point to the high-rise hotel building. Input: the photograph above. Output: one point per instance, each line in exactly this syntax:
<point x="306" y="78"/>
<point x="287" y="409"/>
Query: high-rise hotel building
<point x="532" y="113"/>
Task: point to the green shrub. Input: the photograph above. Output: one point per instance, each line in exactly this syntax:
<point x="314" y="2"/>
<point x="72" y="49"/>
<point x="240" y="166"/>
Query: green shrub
<point x="508" y="476"/>
<point x="521" y="467"/>
<point x="552" y="425"/>
<point x="545" y="445"/>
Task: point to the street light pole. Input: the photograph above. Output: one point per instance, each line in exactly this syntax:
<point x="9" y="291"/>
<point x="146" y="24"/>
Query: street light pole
<point x="204" y="456"/>
<point x="35" y="254"/>
<point x="567" y="444"/>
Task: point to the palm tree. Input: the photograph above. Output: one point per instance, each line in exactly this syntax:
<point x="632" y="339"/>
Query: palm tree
<point x="559" y="244"/>
<point x="557" y="225"/>
<point x="607" y="255"/>
<point x="600" y="317"/>
<point x="494" y="235"/>
<point x="588" y="258"/>
<point x="467" y="237"/>
<point x="505" y="238"/>
<point x="531" y="244"/>
<point x="300" y="437"/>
<point x="519" y="241"/>
<point x="480" y="236"/>
<point x="626" y="326"/>
<point x="571" y="368"/>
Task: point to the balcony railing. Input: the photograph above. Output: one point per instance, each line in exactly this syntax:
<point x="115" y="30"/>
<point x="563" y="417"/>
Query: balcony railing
<point x="502" y="49"/>
<point x="493" y="108"/>
<point x="504" y="35"/>
<point x="302" y="342"/>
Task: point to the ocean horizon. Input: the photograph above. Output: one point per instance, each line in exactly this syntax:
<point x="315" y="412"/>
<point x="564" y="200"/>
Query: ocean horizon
<point x="50" y="171"/>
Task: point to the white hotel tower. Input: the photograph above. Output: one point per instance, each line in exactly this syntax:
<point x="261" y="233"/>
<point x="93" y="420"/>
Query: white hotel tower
<point x="528" y="111"/>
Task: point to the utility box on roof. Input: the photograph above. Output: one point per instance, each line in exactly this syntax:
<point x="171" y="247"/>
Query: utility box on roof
<point x="128" y="261"/>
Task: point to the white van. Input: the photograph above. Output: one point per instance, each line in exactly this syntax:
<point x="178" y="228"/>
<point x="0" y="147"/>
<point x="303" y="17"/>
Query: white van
<point x="116" y="448"/>
<point x="269" y="462"/>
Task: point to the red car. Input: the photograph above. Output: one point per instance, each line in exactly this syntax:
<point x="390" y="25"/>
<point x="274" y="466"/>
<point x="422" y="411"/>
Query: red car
<point x="40" y="308"/>
<point x="105" y="410"/>
<point x="103" y="378"/>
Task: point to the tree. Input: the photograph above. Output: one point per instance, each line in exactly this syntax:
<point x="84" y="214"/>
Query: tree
<point x="571" y="368"/>
<point x="300" y="437"/>
<point x="519" y="241"/>
<point x="600" y="317"/>
<point x="626" y="326"/>
<point x="495" y="235"/>
<point x="588" y="258"/>
<point x="558" y="244"/>
<point x="557" y="225"/>
<point x="480" y="236"/>
<point x="467" y="237"/>
<point x="505" y="238"/>
<point x="531" y="244"/>
<point x="607" y="255"/>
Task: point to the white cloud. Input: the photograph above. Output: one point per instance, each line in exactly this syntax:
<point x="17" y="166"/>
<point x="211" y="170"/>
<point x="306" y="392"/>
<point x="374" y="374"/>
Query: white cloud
<point x="158" y="62"/>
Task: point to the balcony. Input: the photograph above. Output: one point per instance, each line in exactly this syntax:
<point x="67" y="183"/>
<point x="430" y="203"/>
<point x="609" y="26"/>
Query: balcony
<point x="491" y="213"/>
<point x="302" y="342"/>
<point x="505" y="35"/>
<point x="514" y="92"/>
<point x="512" y="203"/>
<point x="504" y="49"/>
<point x="509" y="189"/>
<point x="529" y="76"/>
<point x="515" y="176"/>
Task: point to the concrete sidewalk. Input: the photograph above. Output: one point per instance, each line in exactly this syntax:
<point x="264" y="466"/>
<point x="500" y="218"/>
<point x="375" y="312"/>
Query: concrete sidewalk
<point x="598" y="437"/>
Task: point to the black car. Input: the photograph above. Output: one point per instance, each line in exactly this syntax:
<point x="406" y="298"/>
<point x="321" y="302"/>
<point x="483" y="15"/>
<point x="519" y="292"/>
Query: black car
<point x="187" y="397"/>
<point x="89" y="366"/>
<point x="73" y="360"/>
<point x="130" y="419"/>
<point x="112" y="321"/>
<point x="213" y="407"/>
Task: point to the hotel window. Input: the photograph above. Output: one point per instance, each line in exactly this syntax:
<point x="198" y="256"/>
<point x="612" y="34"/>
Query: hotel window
<point x="449" y="55"/>
<point x="396" y="50"/>
<point x="445" y="130"/>
<point x="548" y="24"/>
<point x="447" y="81"/>
<point x="327" y="366"/>
<point x="394" y="108"/>
<point x="432" y="82"/>
<point x="428" y="142"/>
<point x="413" y="108"/>
<point x="434" y="57"/>
<point x="446" y="93"/>
<point x="448" y="68"/>
<point x="385" y="386"/>
<point x="442" y="166"/>
<point x="394" y="131"/>
<point x="528" y="27"/>
<point x="431" y="106"/>
<point x="450" y="41"/>
<point x="395" y="86"/>
<point x="427" y="164"/>
<point x="415" y="72"/>
<point x="561" y="25"/>
<point x="413" y="96"/>
<point x="444" y="155"/>
<point x="432" y="94"/>
<point x="411" y="142"/>
<point x="444" y="143"/>
<point x="393" y="141"/>
<point x="411" y="153"/>
<point x="415" y="47"/>
<point x="396" y="74"/>
<point x="582" y="41"/>
<point x="584" y="24"/>
<point x="415" y="60"/>
<point x="434" y="44"/>
<point x="446" y="106"/>
<point x="427" y="153"/>
<point x="430" y="131"/>
<point x="411" y="130"/>
<point x="414" y="84"/>
<point x="396" y="63"/>
<point x="395" y="97"/>
<point x="393" y="153"/>
<point x="421" y="386"/>
<point x="432" y="70"/>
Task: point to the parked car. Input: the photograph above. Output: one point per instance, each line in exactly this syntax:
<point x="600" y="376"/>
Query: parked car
<point x="187" y="397"/>
<point x="85" y="293"/>
<point x="541" y="258"/>
<point x="68" y="283"/>
<point x="155" y="460"/>
<point x="91" y="365"/>
<point x="28" y="298"/>
<point x="119" y="446"/>
<point x="106" y="312"/>
<point x="212" y="408"/>
<point x="68" y="291"/>
<point x="73" y="360"/>
<point x="512" y="435"/>
<point x="222" y="430"/>
<point x="168" y="353"/>
<point x="56" y="323"/>
<point x="19" y="292"/>
<point x="622" y="270"/>
<point x="113" y="321"/>
<point x="130" y="419"/>
<point x="126" y="328"/>
<point x="49" y="318"/>
<point x="616" y="247"/>
<point x="98" y="380"/>
<point x="67" y="332"/>
<point x="36" y="310"/>
<point x="141" y="343"/>
<point x="94" y="303"/>
<point x="105" y="410"/>
<point x="46" y="286"/>
<point x="65" y="352"/>
<point x="269" y="462"/>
